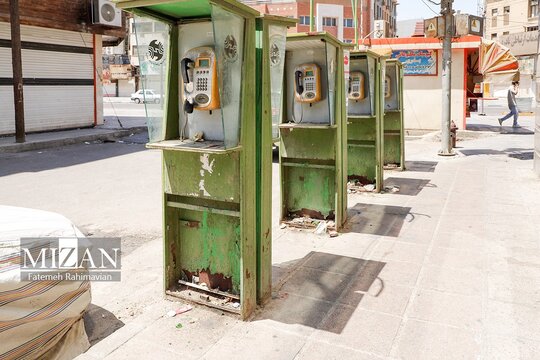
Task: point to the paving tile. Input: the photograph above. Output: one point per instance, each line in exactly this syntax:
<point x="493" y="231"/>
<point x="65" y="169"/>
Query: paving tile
<point x="460" y="240"/>
<point x="142" y="349"/>
<point x="512" y="288"/>
<point x="255" y="341"/>
<point x="386" y="297"/>
<point x="458" y="281"/>
<point x="294" y="309"/>
<point x="401" y="273"/>
<point x="509" y="347"/>
<point x="455" y="310"/>
<point x="316" y="284"/>
<point x="316" y="350"/>
<point x="421" y="340"/>
<point x="360" y="329"/>
<point x="455" y="258"/>
<point x="398" y="251"/>
<point x="197" y="324"/>
<point x="513" y="320"/>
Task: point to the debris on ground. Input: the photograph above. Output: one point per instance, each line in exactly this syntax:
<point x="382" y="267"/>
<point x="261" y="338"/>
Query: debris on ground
<point x="391" y="189"/>
<point x="369" y="187"/>
<point x="179" y="325"/>
<point x="318" y="226"/>
<point x="179" y="311"/>
<point x="358" y="186"/>
<point x="282" y="226"/>
<point x="321" y="228"/>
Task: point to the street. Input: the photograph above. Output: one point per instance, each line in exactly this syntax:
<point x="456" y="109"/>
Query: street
<point x="445" y="268"/>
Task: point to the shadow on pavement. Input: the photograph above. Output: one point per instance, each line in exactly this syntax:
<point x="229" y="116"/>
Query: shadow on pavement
<point x="100" y="323"/>
<point x="323" y="291"/>
<point x="421" y="166"/>
<point x="515" y="153"/>
<point x="407" y="186"/>
<point x="500" y="129"/>
<point x="47" y="159"/>
<point x="383" y="220"/>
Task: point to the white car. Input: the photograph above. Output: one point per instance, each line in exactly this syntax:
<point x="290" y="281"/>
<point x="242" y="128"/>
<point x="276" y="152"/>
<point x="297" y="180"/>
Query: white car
<point x="148" y="96"/>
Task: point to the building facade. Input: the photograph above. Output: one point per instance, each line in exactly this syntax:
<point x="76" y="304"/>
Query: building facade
<point x="514" y="23"/>
<point x="61" y="61"/>
<point x="504" y="17"/>
<point x="335" y="16"/>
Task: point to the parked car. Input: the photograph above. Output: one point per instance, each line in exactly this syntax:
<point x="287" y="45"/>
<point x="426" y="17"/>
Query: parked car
<point x="150" y="96"/>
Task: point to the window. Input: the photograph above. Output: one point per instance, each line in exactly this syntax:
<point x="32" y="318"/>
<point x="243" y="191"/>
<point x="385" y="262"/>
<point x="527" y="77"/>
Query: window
<point x="506" y="15"/>
<point x="533" y="8"/>
<point x="494" y="14"/>
<point x="347" y="41"/>
<point x="493" y="36"/>
<point x="348" y="23"/>
<point x="328" y="21"/>
<point x="506" y="32"/>
<point x="531" y="28"/>
<point x="304" y="20"/>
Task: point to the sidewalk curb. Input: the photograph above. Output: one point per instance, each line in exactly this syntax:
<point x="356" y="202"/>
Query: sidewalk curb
<point x="110" y="135"/>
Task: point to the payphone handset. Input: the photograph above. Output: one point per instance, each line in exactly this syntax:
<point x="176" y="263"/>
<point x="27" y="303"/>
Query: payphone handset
<point x="356" y="86"/>
<point x="307" y="83"/>
<point x="199" y="74"/>
<point x="387" y="87"/>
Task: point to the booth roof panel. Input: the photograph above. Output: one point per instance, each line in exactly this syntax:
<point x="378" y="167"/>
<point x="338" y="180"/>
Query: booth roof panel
<point x="305" y="44"/>
<point x="185" y="9"/>
<point x="180" y="9"/>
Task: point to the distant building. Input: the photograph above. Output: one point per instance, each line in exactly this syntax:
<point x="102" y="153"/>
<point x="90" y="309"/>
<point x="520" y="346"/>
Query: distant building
<point x="334" y="16"/>
<point x="62" y="60"/>
<point x="504" y="17"/>
<point x="407" y="28"/>
<point x="514" y="23"/>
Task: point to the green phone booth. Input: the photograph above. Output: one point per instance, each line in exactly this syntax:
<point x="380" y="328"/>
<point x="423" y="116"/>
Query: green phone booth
<point x="200" y="56"/>
<point x="271" y="42"/>
<point x="394" y="134"/>
<point x="365" y="111"/>
<point x="313" y="156"/>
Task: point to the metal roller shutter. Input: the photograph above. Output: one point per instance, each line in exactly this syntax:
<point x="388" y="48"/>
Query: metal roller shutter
<point x="58" y="79"/>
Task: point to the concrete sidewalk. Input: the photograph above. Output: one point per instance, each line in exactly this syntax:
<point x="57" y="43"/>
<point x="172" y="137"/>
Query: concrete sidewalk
<point x="446" y="268"/>
<point x="54" y="139"/>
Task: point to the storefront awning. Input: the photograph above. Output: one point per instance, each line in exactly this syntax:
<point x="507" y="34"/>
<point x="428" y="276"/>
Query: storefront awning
<point x="497" y="59"/>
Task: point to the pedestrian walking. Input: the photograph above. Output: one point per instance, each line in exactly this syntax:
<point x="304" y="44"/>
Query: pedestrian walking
<point x="512" y="105"/>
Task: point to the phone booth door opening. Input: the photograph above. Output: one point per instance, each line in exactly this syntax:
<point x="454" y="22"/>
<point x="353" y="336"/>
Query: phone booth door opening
<point x="394" y="134"/>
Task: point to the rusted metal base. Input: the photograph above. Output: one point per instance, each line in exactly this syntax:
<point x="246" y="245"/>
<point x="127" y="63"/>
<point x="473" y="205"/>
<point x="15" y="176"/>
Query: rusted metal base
<point x="395" y="167"/>
<point x="205" y="298"/>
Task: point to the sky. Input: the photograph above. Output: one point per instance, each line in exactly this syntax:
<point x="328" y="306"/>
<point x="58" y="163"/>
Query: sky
<point x="416" y="9"/>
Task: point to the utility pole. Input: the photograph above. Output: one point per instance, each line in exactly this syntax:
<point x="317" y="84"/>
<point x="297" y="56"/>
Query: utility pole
<point x="448" y="15"/>
<point x="17" y="70"/>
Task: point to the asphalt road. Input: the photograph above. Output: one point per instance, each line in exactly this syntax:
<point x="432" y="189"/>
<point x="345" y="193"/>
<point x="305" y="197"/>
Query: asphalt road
<point x="106" y="189"/>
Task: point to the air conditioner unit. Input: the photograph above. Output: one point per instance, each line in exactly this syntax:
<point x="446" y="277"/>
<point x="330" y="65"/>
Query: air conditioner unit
<point x="104" y="12"/>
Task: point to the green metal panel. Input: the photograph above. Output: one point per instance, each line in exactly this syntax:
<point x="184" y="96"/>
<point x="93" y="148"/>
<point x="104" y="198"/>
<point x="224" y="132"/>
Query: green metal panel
<point x="220" y="180"/>
<point x="394" y="134"/>
<point x="365" y="132"/>
<point x="313" y="157"/>
<point x="264" y="157"/>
